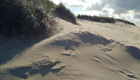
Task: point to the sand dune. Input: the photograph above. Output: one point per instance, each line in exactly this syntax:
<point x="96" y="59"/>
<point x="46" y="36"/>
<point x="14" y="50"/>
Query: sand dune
<point x="89" y="51"/>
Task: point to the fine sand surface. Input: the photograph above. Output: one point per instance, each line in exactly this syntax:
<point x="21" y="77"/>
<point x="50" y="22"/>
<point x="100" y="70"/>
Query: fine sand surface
<point x="89" y="51"/>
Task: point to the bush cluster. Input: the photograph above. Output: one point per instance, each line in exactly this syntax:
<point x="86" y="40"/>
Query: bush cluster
<point x="25" y="17"/>
<point x="97" y="18"/>
<point x="103" y="19"/>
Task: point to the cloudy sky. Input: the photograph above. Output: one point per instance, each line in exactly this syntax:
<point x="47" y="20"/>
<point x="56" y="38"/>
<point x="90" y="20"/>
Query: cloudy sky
<point x="123" y="9"/>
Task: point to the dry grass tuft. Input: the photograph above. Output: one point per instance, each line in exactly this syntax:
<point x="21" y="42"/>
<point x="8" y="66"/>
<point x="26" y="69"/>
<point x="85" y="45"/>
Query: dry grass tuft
<point x="66" y="14"/>
<point x="26" y="17"/>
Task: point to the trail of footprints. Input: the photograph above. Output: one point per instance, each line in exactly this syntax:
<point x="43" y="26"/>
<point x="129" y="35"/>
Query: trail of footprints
<point x="127" y="74"/>
<point x="42" y="67"/>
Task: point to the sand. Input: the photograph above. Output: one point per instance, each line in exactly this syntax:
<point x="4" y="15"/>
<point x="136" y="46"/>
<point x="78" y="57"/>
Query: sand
<point x="89" y="51"/>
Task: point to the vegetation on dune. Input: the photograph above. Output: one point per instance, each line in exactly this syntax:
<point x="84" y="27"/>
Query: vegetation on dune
<point x="26" y="17"/>
<point x="125" y="21"/>
<point x="103" y="19"/>
<point x="65" y="13"/>
<point x="97" y="18"/>
<point x="29" y="18"/>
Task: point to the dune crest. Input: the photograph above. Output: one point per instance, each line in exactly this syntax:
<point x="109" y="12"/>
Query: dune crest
<point x="89" y="51"/>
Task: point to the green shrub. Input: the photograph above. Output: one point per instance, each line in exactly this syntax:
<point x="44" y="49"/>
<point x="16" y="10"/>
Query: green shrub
<point x="110" y="20"/>
<point x="97" y="18"/>
<point x="25" y="17"/>
<point x="103" y="19"/>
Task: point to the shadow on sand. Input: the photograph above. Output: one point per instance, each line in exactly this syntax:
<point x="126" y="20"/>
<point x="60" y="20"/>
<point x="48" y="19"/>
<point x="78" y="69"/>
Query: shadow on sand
<point x="10" y="47"/>
<point x="88" y="37"/>
<point x="67" y="44"/>
<point x="23" y="72"/>
<point x="135" y="52"/>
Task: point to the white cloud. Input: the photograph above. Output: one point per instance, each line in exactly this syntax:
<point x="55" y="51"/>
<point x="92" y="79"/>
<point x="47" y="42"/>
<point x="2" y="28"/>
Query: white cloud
<point x="123" y="9"/>
<point x="56" y="1"/>
<point x="97" y="6"/>
<point x="92" y="13"/>
<point x="69" y="2"/>
<point x="137" y="16"/>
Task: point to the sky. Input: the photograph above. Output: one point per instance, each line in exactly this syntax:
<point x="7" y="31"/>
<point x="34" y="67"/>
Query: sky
<point x="122" y="9"/>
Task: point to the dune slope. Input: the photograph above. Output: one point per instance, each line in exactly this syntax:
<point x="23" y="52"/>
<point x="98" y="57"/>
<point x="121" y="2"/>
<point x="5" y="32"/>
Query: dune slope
<point x="89" y="51"/>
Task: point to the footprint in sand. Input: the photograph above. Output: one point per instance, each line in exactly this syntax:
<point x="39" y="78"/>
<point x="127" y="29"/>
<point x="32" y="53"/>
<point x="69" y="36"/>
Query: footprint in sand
<point x="24" y="72"/>
<point x="127" y="74"/>
<point x="96" y="59"/>
<point x="68" y="53"/>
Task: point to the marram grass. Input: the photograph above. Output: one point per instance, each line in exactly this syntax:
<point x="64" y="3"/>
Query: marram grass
<point x="25" y="17"/>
